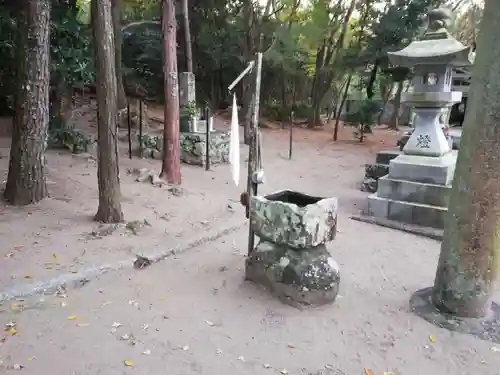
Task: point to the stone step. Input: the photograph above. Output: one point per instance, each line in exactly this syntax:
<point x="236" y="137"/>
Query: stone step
<point x="407" y="212"/>
<point x="376" y="171"/>
<point x="385" y="156"/>
<point x="416" y="192"/>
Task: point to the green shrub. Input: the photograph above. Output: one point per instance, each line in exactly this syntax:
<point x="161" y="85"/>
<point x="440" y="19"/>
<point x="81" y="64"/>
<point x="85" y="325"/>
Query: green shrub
<point x="363" y="118"/>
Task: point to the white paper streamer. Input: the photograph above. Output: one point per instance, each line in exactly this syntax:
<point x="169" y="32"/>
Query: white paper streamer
<point x="234" y="144"/>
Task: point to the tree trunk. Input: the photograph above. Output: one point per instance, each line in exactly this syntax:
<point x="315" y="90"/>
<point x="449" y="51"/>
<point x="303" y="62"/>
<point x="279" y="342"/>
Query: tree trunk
<point x="470" y="252"/>
<point x="116" y="7"/>
<point x="387" y="96"/>
<point x="109" y="210"/>
<point x="394" y="122"/>
<point x="187" y="37"/>
<point x="171" y="168"/>
<point x="339" y="109"/>
<point x="371" y="82"/>
<point x="26" y="181"/>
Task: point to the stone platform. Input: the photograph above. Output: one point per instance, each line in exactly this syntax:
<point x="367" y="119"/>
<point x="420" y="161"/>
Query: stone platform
<point x="415" y="191"/>
<point x="193" y="147"/>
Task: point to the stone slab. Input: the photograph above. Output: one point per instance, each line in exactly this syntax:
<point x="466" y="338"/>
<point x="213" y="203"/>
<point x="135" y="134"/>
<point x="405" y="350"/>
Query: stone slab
<point x="416" y="192"/>
<point x="427" y="169"/>
<point x="385" y="156"/>
<point x="308" y="277"/>
<point x="407" y="212"/>
<point x="487" y="328"/>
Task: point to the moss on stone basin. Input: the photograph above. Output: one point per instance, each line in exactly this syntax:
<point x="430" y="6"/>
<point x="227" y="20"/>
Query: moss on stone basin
<point x="294" y="219"/>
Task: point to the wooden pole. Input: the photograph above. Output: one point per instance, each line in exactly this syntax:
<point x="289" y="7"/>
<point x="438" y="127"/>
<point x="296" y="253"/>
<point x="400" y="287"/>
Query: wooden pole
<point x="129" y="127"/>
<point x="140" y="128"/>
<point x="207" y="140"/>
<point x="290" y="146"/>
<point x="252" y="150"/>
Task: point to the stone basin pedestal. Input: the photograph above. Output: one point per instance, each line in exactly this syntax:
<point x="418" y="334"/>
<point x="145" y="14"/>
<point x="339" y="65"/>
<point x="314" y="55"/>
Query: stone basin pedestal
<point x="291" y="258"/>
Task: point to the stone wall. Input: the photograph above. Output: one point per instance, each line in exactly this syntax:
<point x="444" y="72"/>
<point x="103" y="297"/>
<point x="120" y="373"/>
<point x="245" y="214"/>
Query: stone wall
<point x="193" y="147"/>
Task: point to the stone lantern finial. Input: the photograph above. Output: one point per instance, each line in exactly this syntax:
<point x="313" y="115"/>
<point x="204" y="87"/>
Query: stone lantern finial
<point x="440" y="20"/>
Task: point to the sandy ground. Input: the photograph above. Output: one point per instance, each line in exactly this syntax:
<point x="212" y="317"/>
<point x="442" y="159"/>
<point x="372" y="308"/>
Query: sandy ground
<point x="192" y="313"/>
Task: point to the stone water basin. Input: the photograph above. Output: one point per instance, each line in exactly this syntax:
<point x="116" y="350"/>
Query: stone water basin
<point x="291" y="259"/>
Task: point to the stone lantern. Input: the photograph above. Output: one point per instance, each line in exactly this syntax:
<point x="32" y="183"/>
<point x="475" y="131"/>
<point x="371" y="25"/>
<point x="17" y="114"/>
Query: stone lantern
<point x="417" y="188"/>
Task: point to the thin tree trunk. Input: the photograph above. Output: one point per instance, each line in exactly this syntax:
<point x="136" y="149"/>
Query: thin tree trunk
<point x="371" y="82"/>
<point x="109" y="210"/>
<point x="171" y="167"/>
<point x="187" y="37"/>
<point x="339" y="109"/>
<point x="394" y="122"/>
<point x="117" y="27"/>
<point x="387" y="97"/>
<point x="26" y="181"/>
<point x="470" y="253"/>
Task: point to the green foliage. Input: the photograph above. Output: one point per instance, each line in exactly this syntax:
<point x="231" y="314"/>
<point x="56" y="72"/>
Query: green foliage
<point x="8" y="61"/>
<point x="71" y="54"/>
<point x="188" y="111"/>
<point x="63" y="137"/>
<point x="364" y="117"/>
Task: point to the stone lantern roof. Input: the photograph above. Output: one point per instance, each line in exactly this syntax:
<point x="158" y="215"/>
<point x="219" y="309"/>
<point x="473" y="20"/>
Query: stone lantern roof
<point x="437" y="46"/>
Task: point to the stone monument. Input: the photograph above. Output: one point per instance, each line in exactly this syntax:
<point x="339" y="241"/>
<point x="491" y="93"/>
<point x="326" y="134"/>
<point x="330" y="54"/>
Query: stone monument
<point x="291" y="258"/>
<point x="417" y="187"/>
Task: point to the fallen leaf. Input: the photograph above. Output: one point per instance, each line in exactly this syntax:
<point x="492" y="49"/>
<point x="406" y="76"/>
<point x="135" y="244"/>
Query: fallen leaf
<point x="388" y="373"/>
<point x="284" y="372"/>
<point x="432" y="339"/>
<point x="267" y="365"/>
<point x="368" y="372"/>
<point x="291" y="346"/>
<point x="82" y="324"/>
<point x="17" y="366"/>
<point x="3" y="339"/>
<point x="54" y="255"/>
<point x="162" y="298"/>
<point x="146" y="352"/>
<point x="209" y="323"/>
<point x="12" y="331"/>
<point x="28" y="276"/>
<point x="116" y="325"/>
<point x="125" y="337"/>
<point x="128" y="363"/>
<point x="241" y="358"/>
<point x="72" y="317"/>
<point x="483" y="362"/>
<point x="31" y="358"/>
<point x="185" y="347"/>
<point x="73" y="271"/>
<point x="218" y="351"/>
<point x="495" y="349"/>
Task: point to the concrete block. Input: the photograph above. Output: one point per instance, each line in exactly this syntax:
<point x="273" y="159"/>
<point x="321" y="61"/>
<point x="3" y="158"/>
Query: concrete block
<point x="416" y="192"/>
<point x="426" y="169"/>
<point x="407" y="212"/>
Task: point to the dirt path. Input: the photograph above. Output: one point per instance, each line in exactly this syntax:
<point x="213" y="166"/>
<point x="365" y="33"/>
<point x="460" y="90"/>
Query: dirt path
<point x="192" y="313"/>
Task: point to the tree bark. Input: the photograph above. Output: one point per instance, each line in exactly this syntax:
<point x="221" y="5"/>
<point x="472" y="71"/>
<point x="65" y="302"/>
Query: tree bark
<point x="171" y="168"/>
<point x="339" y="109"/>
<point x="394" y="122"/>
<point x="116" y="9"/>
<point x="26" y="181"/>
<point x="109" y="210"/>
<point x="187" y="37"/>
<point x="470" y="252"/>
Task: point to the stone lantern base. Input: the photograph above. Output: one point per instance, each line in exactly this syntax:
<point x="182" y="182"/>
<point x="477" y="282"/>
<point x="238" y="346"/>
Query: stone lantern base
<point x="291" y="259"/>
<point x="416" y="190"/>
